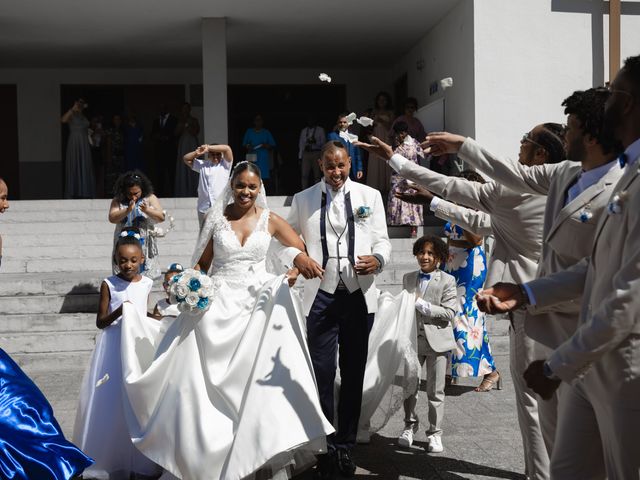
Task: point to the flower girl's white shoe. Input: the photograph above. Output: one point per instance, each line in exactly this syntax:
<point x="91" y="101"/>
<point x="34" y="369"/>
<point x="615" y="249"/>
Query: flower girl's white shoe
<point x="406" y="438"/>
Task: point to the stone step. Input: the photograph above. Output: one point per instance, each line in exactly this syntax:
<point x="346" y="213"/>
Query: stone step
<point x="61" y="238"/>
<point x="49" y="304"/>
<point x="48" y="342"/>
<point x="103" y="204"/>
<point x="47" y="322"/>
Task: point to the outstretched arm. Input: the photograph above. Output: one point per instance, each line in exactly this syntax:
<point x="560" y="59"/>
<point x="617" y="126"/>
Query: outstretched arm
<point x="510" y="173"/>
<point x="477" y="223"/>
<point x="475" y="195"/>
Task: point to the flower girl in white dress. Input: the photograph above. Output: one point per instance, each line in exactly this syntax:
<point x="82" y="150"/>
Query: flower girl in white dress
<point x="101" y="428"/>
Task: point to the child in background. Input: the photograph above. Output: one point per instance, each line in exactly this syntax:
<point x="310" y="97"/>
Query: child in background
<point x="101" y="426"/>
<point x="435" y="308"/>
<point x="164" y="308"/>
<point x="214" y="170"/>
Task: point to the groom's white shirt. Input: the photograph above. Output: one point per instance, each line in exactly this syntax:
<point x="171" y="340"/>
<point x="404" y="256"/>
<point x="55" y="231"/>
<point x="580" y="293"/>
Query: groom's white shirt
<point x="370" y="237"/>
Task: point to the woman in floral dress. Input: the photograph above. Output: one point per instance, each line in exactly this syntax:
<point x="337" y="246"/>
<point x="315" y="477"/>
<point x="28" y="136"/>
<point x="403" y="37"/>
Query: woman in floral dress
<point x="399" y="212"/>
<point x="468" y="264"/>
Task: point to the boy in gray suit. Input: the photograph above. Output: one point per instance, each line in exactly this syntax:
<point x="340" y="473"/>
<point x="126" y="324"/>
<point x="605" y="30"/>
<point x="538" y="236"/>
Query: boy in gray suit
<point x="436" y="307"/>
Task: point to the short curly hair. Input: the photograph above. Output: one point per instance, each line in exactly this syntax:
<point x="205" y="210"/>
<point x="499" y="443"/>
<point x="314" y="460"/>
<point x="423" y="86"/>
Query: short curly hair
<point x="588" y="107"/>
<point x="439" y="247"/>
<point x="131" y="179"/>
<point x="631" y="70"/>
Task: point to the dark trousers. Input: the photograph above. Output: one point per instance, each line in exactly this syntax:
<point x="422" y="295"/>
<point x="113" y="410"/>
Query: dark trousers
<point x="339" y="323"/>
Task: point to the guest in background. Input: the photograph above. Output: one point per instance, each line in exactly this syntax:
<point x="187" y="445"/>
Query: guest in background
<point x="340" y="135"/>
<point x="163" y="134"/>
<point x="416" y="129"/>
<point x="312" y="138"/>
<point x="114" y="157"/>
<point x="135" y="208"/>
<point x="79" y="178"/>
<point x="399" y="212"/>
<point x="259" y="143"/>
<point x="378" y="173"/>
<point x="133" y="137"/>
<point x="213" y="164"/>
<point x="187" y="131"/>
<point x="96" y="137"/>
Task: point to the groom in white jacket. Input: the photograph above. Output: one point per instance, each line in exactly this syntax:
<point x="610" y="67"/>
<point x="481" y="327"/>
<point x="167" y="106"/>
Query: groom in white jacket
<point x="344" y="227"/>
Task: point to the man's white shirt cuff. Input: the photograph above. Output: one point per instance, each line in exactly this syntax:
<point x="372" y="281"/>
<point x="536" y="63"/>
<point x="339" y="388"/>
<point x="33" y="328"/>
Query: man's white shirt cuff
<point x="434" y="203"/>
<point x="397" y="161"/>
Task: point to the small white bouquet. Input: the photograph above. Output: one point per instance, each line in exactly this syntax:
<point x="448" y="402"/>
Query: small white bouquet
<point x="192" y="291"/>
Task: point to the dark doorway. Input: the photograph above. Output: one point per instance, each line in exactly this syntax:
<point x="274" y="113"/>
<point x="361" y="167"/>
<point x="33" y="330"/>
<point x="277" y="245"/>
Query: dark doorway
<point x="285" y="109"/>
<point x="143" y="101"/>
<point x="9" y="139"/>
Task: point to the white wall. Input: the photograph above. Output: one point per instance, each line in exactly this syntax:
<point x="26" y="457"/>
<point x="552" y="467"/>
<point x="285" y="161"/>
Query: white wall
<point x="531" y="55"/>
<point x="447" y="51"/>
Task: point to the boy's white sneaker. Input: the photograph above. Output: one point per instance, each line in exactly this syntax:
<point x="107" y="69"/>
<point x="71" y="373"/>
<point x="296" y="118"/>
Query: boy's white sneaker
<point x="406" y="438"/>
<point x="435" y="444"/>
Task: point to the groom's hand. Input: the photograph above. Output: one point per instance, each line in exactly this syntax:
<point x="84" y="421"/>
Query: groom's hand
<point x="307" y="266"/>
<point x="366" y="265"/>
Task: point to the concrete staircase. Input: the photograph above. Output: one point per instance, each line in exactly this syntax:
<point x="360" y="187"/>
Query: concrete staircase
<point x="57" y="252"/>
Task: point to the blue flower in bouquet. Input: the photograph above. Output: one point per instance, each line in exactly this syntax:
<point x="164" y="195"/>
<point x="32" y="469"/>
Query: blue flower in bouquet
<point x="176" y="278"/>
<point x="363" y="212"/>
<point x="194" y="284"/>
<point x="203" y="303"/>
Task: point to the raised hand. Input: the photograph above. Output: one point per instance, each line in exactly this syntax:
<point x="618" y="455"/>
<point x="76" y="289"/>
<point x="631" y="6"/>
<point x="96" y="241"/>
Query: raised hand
<point x="307" y="266"/>
<point x="538" y="381"/>
<point x="501" y="298"/>
<point x="417" y="195"/>
<point x="377" y="147"/>
<point x="441" y="143"/>
<point x="201" y="150"/>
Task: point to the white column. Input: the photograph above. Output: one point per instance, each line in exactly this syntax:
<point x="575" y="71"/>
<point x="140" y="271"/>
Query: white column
<point x="214" y="79"/>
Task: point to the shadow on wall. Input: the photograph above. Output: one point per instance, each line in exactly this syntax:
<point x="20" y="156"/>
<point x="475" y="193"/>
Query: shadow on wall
<point x="82" y="298"/>
<point x="597" y="10"/>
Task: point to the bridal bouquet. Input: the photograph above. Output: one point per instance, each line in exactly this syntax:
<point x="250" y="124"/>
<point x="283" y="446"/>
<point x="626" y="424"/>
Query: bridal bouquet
<point x="192" y="291"/>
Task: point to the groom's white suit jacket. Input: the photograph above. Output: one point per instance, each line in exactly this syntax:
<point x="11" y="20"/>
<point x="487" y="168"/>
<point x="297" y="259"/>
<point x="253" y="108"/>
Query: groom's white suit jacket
<point x="370" y="235"/>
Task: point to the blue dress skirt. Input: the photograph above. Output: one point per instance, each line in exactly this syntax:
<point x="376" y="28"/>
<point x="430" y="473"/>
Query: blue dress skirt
<point x="32" y="445"/>
<point x="472" y="355"/>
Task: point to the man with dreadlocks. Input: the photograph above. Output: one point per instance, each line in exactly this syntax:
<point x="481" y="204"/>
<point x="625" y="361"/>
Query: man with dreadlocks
<point x="578" y="192"/>
<point x="516" y="221"/>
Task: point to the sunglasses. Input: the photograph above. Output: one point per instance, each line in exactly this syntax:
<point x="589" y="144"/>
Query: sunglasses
<point x="526" y="138"/>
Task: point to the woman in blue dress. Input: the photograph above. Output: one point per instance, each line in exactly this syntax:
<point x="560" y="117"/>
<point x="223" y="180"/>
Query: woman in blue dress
<point x="258" y="141"/>
<point x="468" y="264"/>
<point x="32" y="445"/>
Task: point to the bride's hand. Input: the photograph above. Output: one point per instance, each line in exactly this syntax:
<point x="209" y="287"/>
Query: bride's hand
<point x="292" y="276"/>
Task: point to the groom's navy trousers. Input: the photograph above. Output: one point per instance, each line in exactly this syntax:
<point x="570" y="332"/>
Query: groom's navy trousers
<point x="339" y="323"/>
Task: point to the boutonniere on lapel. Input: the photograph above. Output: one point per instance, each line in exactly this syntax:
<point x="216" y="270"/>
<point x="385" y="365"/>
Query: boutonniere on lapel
<point x="586" y="214"/>
<point x="617" y="202"/>
<point x="362" y="212"/>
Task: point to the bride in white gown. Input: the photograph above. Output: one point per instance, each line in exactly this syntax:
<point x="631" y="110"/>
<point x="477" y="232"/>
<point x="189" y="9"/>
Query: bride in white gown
<point x="231" y="392"/>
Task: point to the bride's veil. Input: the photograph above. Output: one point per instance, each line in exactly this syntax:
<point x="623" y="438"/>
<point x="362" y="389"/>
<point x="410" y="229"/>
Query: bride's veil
<point x="216" y="212"/>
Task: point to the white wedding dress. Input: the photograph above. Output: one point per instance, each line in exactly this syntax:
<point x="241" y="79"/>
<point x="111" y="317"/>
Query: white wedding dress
<point x="227" y="393"/>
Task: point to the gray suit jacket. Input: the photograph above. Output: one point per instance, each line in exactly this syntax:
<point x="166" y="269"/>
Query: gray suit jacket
<point x="516" y="219"/>
<point x="608" y="281"/>
<point x="567" y="238"/>
<point x="442" y="294"/>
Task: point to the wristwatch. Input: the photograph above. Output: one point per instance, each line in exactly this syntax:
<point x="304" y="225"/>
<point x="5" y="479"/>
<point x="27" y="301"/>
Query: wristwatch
<point x="546" y="370"/>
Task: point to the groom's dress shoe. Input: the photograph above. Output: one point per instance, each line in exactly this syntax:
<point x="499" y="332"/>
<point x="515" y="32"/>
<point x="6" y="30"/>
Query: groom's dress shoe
<point x="325" y="469"/>
<point x="345" y="463"/>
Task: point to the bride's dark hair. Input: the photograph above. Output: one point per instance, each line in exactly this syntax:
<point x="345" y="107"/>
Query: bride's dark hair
<point x="243" y="166"/>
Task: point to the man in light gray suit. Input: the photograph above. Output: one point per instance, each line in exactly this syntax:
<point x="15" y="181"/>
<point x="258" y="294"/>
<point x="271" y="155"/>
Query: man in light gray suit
<point x="598" y="416"/>
<point x="578" y="192"/>
<point x="516" y="221"/>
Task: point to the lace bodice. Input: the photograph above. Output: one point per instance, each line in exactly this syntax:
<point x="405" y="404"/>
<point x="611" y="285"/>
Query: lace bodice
<point x="235" y="262"/>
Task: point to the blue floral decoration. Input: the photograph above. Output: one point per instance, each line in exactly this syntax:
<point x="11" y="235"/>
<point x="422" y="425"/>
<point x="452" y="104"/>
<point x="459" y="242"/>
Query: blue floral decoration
<point x="176" y="278"/>
<point x="363" y="212"/>
<point x="194" y="284"/>
<point x="203" y="302"/>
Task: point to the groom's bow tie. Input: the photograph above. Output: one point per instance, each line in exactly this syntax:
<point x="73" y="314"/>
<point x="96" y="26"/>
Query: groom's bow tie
<point x="425" y="276"/>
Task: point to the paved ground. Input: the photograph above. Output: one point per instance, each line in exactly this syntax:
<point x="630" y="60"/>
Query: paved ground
<point x="481" y="436"/>
<point x="481" y="440"/>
